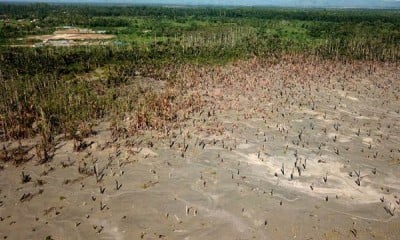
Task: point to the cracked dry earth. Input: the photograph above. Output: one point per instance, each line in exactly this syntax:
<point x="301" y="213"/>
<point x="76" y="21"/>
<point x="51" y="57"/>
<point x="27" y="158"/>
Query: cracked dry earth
<point x="298" y="149"/>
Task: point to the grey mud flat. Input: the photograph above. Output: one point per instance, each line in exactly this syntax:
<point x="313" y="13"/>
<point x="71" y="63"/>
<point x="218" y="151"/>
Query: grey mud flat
<point x="289" y="150"/>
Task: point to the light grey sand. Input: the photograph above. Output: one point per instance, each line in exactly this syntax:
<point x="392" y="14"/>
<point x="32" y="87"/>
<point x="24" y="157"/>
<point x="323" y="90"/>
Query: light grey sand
<point x="258" y="121"/>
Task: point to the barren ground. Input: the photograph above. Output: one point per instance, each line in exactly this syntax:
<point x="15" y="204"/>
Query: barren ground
<point x="299" y="149"/>
<point x="73" y="34"/>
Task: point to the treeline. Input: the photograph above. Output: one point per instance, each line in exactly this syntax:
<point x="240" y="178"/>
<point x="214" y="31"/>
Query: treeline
<point x="42" y="11"/>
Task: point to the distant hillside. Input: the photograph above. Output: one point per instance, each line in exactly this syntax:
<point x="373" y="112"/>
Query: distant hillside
<point x="285" y="3"/>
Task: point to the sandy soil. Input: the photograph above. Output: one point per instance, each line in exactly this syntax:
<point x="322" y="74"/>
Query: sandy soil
<point x="78" y="36"/>
<point x="73" y="34"/>
<point x="298" y="149"/>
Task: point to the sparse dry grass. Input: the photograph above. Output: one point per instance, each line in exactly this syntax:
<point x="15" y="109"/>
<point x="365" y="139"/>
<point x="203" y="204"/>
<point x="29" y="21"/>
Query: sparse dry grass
<point x="173" y="94"/>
